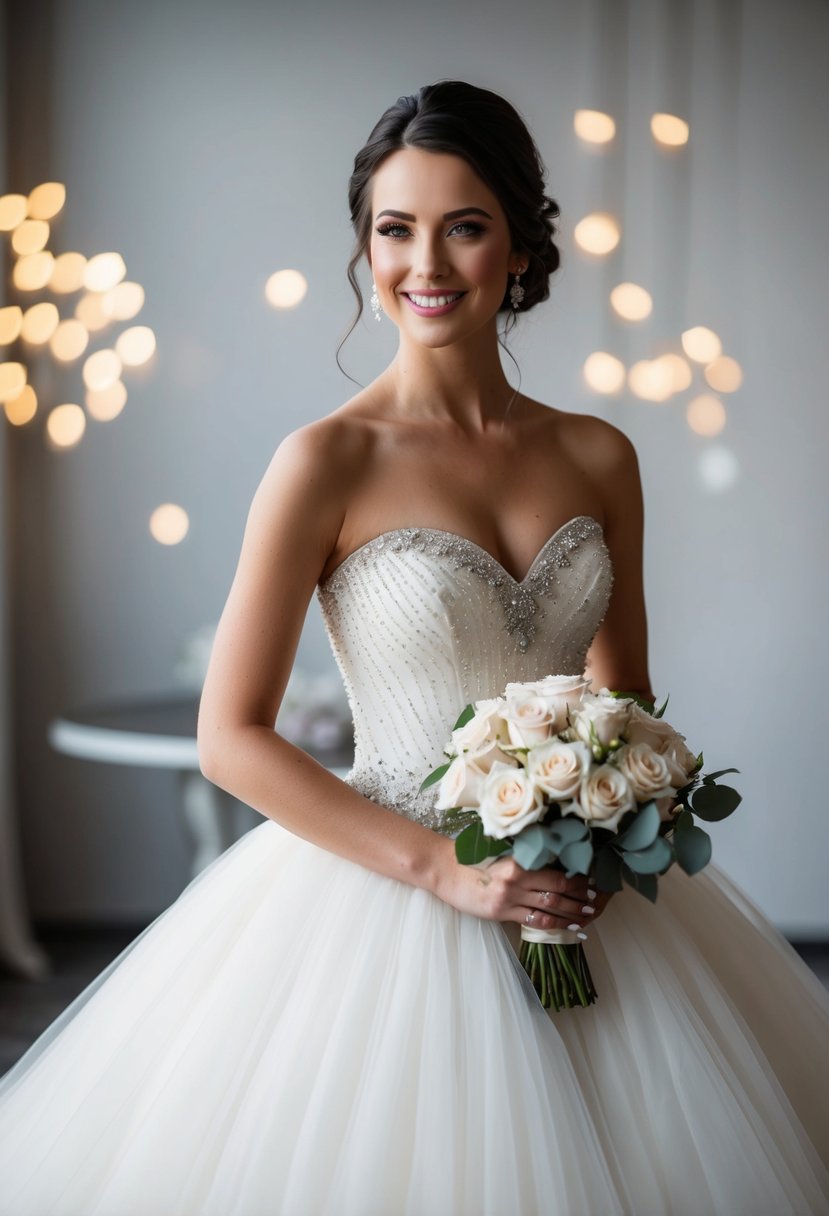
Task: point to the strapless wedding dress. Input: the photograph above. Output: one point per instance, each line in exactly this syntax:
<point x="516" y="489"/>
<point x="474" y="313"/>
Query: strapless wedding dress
<point x="297" y="1035"/>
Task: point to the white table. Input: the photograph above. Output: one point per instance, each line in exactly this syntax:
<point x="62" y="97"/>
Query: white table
<point x="160" y="732"/>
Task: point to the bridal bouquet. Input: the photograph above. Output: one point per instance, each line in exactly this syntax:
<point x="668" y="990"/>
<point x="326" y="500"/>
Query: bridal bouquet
<point x="589" y="783"/>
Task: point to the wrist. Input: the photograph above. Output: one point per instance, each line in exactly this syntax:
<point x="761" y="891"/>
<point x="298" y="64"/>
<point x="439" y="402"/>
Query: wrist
<point x="440" y="865"/>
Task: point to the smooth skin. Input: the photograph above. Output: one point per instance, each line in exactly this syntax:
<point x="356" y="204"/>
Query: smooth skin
<point x="424" y="444"/>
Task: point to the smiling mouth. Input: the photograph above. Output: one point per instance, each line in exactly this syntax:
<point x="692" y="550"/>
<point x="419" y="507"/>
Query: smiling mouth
<point x="434" y="301"/>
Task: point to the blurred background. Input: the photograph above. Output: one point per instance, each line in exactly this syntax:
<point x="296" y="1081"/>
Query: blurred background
<point x="205" y="149"/>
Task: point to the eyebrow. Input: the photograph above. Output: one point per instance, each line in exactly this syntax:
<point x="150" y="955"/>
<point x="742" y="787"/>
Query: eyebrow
<point x="449" y="215"/>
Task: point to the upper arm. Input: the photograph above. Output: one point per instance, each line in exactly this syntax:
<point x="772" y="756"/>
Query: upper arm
<point x="292" y="525"/>
<point x="618" y="655"/>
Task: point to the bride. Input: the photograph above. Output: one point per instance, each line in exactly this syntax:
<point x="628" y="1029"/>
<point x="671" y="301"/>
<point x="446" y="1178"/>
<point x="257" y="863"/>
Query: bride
<point x="332" y="1017"/>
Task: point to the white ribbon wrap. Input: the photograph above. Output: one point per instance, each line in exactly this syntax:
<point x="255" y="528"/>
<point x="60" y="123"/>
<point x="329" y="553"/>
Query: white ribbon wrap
<point x="552" y="937"/>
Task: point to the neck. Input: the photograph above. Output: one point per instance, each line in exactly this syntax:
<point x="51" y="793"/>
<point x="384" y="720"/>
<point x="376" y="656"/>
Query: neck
<point x="462" y="385"/>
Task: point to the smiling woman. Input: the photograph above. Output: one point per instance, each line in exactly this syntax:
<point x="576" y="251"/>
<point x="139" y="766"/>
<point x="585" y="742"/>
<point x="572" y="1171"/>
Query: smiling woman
<point x="332" y="1017"/>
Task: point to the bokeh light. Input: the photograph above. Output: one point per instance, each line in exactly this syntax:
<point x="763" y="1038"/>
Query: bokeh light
<point x="12" y="211"/>
<point x="30" y="236"/>
<point x="701" y="344"/>
<point x="718" y="468"/>
<point x="69" y="340"/>
<point x="107" y="403"/>
<point x="11" y="319"/>
<point x="594" y="126"/>
<point x="12" y="380"/>
<point x="23" y="408"/>
<point x="679" y="370"/>
<point x="169" y="524"/>
<point x="39" y="323"/>
<point x="104" y="271"/>
<point x="33" y="271"/>
<point x="46" y="200"/>
<point x="651" y="379"/>
<point x="724" y="374"/>
<point x="67" y="273"/>
<point x="669" y="130"/>
<point x="631" y="302"/>
<point x="135" y="345"/>
<point x="597" y="233"/>
<point x="604" y="372"/>
<point x="90" y="311"/>
<point x="124" y="301"/>
<point x="285" y="288"/>
<point x="65" y="425"/>
<point x="101" y="370"/>
<point x="706" y="415"/>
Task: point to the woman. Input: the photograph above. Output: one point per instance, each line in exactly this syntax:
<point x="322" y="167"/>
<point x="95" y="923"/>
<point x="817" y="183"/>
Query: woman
<point x="332" y="1017"/>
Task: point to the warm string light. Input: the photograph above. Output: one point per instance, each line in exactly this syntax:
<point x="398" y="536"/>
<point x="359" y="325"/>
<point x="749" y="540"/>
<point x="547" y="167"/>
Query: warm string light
<point x="106" y="298"/>
<point x="660" y="378"/>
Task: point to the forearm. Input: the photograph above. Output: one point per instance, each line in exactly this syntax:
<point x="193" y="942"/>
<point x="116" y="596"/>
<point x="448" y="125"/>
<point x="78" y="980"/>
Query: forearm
<point x="281" y="781"/>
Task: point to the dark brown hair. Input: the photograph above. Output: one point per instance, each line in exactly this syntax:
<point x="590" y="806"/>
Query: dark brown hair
<point x="489" y="133"/>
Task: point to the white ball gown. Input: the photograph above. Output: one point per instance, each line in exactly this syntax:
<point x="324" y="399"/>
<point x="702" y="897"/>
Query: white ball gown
<point x="297" y="1035"/>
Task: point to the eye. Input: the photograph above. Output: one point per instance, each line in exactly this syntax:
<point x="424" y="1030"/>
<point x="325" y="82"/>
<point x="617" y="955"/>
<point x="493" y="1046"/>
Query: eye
<point x="474" y="229"/>
<point x="392" y="230"/>
<point x="387" y="230"/>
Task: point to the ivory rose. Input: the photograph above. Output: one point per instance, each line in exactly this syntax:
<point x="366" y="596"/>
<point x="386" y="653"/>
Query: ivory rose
<point x="529" y="719"/>
<point x="482" y="729"/>
<point x="558" y="691"/>
<point x="558" y="769"/>
<point x="609" y="716"/>
<point x="605" y="796"/>
<point x="460" y="785"/>
<point x="646" y="771"/>
<point x="509" y="801"/>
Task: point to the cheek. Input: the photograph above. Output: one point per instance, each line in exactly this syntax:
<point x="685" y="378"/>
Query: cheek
<point x="386" y="260"/>
<point x="488" y="262"/>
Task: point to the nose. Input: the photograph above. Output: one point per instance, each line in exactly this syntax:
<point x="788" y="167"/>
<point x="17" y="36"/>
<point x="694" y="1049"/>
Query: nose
<point x="431" y="261"/>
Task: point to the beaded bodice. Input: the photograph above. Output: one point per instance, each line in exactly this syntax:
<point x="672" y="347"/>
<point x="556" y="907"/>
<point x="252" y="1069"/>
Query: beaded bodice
<point x="422" y="621"/>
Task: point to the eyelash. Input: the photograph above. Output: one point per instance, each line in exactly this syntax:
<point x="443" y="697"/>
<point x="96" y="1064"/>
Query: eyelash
<point x="386" y="229"/>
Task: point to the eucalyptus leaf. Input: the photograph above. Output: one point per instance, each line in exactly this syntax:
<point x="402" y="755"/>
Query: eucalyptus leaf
<point x="434" y="776"/>
<point x="715" y="802"/>
<point x="693" y="849"/>
<point x="643" y="831"/>
<point x="659" y="712"/>
<point x="683" y="821"/>
<point x="567" y="831"/>
<point x="533" y="848"/>
<point x="645" y="884"/>
<point x="652" y="860"/>
<point x="709" y="777"/>
<point x="608" y="868"/>
<point x="467" y="712"/>
<point x="473" y="845"/>
<point x="577" y="857"/>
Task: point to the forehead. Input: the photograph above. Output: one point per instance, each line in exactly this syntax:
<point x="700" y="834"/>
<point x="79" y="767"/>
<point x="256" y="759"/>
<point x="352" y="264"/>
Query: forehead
<point x="416" y="180"/>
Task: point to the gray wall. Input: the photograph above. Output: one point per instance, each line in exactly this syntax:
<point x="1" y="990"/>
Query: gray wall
<point x="211" y="144"/>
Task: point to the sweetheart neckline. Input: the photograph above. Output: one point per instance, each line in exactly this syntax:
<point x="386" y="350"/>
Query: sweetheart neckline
<point x="518" y="582"/>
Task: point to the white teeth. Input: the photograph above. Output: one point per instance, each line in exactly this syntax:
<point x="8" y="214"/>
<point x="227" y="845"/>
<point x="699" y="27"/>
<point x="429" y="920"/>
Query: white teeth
<point x="433" y="301"/>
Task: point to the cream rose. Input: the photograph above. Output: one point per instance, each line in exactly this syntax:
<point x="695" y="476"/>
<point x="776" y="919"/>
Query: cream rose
<point x="609" y="717"/>
<point x="509" y="801"/>
<point x="529" y="719"/>
<point x="680" y="760"/>
<point x="484" y="758"/>
<point x="460" y="785"/>
<point x="479" y="732"/>
<point x="558" y="691"/>
<point x="558" y="769"/>
<point x="605" y="796"/>
<point x="646" y="771"/>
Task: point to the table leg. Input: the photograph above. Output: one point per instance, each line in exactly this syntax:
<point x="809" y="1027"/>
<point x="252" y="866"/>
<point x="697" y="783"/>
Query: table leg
<point x="208" y="812"/>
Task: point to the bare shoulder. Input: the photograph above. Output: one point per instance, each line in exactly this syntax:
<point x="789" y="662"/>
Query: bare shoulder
<point x="602" y="450"/>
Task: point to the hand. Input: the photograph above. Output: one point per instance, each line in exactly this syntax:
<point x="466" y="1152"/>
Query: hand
<point x="504" y="891"/>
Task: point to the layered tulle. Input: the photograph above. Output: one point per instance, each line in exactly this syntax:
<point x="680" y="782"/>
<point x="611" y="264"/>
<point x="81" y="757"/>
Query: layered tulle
<point x="297" y="1035"/>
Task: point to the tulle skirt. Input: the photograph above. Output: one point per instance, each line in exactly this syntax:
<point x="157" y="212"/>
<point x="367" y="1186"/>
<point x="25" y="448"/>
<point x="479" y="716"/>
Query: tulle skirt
<point x="297" y="1036"/>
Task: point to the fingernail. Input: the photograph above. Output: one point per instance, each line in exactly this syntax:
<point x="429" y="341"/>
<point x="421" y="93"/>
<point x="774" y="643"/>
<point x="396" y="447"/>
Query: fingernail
<point x="583" y="936"/>
<point x="591" y="894"/>
<point x="588" y="908"/>
<point x="573" y="927"/>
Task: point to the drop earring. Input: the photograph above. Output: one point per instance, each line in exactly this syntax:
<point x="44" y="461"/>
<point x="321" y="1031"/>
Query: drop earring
<point x="516" y="292"/>
<point x="375" y="302"/>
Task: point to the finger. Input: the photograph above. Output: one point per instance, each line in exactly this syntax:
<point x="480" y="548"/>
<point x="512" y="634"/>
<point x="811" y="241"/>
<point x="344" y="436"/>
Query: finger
<point x="565" y="905"/>
<point x="545" y="920"/>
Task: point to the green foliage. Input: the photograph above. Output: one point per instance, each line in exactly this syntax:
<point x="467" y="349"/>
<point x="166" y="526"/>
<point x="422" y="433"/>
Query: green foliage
<point x="715" y="802"/>
<point x="645" y="884"/>
<point x="659" y="712"/>
<point x="652" y="860"/>
<point x="608" y="869"/>
<point x="577" y="857"/>
<point x="693" y="849"/>
<point x="473" y="845"/>
<point x="434" y="776"/>
<point x="643" y="831"/>
<point x="466" y="713"/>
<point x="534" y="847"/>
